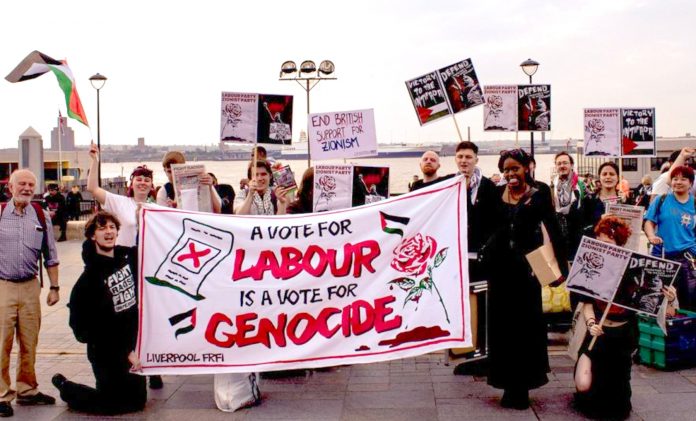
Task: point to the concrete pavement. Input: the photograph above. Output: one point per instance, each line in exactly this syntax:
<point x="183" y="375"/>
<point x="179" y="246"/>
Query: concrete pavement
<point x="421" y="388"/>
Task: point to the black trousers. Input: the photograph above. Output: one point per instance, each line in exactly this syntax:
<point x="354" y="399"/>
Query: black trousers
<point x="118" y="391"/>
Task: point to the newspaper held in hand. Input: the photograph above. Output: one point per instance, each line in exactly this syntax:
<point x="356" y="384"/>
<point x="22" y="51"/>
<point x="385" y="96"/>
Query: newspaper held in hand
<point x="284" y="178"/>
<point x="190" y="193"/>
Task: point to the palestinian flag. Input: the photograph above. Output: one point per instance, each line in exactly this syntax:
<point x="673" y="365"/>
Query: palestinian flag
<point x="186" y="321"/>
<point x="37" y="64"/>
<point x="393" y="224"/>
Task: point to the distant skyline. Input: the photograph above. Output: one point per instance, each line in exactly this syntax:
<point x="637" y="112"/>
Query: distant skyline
<point x="168" y="62"/>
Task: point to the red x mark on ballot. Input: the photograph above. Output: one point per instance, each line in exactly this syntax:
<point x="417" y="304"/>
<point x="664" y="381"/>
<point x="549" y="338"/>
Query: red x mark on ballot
<point x="194" y="255"/>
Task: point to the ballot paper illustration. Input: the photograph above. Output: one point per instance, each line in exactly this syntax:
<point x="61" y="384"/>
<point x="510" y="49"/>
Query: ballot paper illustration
<point x="198" y="251"/>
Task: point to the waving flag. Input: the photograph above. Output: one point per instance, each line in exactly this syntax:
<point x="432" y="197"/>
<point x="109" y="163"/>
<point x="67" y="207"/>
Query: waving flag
<point x="37" y="64"/>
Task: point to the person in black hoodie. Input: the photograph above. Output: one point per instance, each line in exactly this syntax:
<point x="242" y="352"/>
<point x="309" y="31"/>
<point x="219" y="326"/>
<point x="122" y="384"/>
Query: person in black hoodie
<point x="104" y="315"/>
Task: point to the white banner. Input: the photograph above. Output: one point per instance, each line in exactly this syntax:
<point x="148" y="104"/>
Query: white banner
<point x="342" y="134"/>
<point x="256" y="293"/>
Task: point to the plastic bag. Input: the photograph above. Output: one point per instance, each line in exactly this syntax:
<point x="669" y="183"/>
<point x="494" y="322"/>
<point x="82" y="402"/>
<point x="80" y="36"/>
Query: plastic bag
<point x="236" y="390"/>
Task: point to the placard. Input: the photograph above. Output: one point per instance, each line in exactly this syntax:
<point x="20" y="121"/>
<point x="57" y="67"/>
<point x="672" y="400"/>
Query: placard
<point x="342" y="134"/>
<point x="428" y="97"/>
<point x="260" y="118"/>
<point x="638" y="132"/>
<point x="190" y="193"/>
<point x="461" y="85"/>
<point x="602" y="132"/>
<point x="633" y="217"/>
<point x="534" y="108"/>
<point x="333" y="187"/>
<point x="500" y="108"/>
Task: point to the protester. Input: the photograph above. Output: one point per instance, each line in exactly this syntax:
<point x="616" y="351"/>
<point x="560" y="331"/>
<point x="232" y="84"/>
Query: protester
<point x="483" y="215"/>
<point x="496" y="178"/>
<point x="303" y="202"/>
<point x="124" y="208"/>
<point x="603" y="374"/>
<point x="594" y="205"/>
<point x="662" y="184"/>
<point x="483" y="203"/>
<point x="644" y="192"/>
<point x="104" y="315"/>
<point x="55" y="203"/>
<point x="259" y="199"/>
<point x="518" y="357"/>
<point x="568" y="193"/>
<point x="24" y="236"/>
<point x="413" y="181"/>
<point x="226" y="193"/>
<point x="671" y="221"/>
<point x="624" y="189"/>
<point x="73" y="202"/>
<point x="167" y="197"/>
<point x="429" y="164"/>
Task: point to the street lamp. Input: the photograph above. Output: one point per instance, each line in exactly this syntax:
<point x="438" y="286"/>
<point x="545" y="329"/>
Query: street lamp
<point x="98" y="82"/>
<point x="529" y="67"/>
<point x="307" y="77"/>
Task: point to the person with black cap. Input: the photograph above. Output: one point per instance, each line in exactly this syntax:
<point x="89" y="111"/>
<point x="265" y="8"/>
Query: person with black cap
<point x="54" y="202"/>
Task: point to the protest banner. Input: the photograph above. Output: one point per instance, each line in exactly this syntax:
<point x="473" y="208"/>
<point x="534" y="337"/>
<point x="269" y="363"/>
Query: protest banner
<point x="333" y="187"/>
<point x="534" y="108"/>
<point x="620" y="276"/>
<point x="255" y="293"/>
<point x="461" y="85"/>
<point x="500" y="108"/>
<point x="260" y="118"/>
<point x="190" y="194"/>
<point x="342" y="134"/>
<point x="633" y="216"/>
<point x="638" y="132"/>
<point x="602" y="132"/>
<point x="428" y="97"/>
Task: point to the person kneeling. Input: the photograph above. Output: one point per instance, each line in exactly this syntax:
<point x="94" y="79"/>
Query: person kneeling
<point x="104" y="315"/>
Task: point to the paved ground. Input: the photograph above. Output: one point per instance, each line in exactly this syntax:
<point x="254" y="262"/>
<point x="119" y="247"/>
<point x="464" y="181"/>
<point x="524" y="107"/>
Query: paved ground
<point x="421" y="388"/>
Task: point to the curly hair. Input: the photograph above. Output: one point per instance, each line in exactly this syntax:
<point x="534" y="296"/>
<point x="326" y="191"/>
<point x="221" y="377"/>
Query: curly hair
<point x="614" y="228"/>
<point x="100" y="219"/>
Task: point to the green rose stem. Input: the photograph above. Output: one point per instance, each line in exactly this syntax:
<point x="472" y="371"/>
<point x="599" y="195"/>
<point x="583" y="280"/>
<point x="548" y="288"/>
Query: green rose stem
<point x="441" y="302"/>
<point x="430" y="272"/>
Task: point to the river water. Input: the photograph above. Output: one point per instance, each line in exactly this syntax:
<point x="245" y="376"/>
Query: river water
<point x="401" y="170"/>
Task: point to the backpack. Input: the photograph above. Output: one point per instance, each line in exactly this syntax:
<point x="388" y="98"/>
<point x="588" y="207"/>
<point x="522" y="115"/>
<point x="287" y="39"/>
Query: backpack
<point x="42" y="221"/>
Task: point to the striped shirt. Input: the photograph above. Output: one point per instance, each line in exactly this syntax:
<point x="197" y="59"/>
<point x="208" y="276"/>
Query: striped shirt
<point x="20" y="243"/>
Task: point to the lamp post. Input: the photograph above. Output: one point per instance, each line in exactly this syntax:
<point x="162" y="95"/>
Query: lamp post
<point x="308" y="77"/>
<point x="529" y="67"/>
<point x="98" y="82"/>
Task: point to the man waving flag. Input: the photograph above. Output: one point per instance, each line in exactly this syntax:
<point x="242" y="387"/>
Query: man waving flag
<point x="37" y="64"/>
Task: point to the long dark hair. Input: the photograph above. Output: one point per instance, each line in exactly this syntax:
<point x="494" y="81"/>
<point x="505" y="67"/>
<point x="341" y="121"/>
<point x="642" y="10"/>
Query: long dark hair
<point x="305" y="193"/>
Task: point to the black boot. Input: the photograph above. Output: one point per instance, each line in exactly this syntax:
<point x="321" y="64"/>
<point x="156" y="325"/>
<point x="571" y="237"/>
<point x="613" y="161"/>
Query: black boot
<point x="515" y="399"/>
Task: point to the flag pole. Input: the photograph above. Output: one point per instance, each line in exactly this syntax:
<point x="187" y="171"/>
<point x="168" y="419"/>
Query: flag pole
<point x="60" y="151"/>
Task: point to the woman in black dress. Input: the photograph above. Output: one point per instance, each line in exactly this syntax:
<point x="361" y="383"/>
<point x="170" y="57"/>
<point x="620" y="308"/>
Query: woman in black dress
<point x="517" y="333"/>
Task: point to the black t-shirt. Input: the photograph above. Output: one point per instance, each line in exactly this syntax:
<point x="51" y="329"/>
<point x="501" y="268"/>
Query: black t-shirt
<point x="420" y="183"/>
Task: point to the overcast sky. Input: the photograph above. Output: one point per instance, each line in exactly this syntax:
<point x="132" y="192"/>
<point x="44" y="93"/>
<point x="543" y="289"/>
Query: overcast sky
<point x="167" y="62"/>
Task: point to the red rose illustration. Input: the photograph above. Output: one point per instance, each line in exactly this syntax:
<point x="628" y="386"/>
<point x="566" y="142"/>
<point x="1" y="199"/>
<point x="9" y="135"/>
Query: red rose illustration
<point x="413" y="254"/>
<point x="327" y="183"/>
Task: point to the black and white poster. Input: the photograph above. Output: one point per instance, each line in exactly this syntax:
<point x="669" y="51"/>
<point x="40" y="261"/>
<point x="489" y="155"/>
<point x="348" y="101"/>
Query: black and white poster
<point x="461" y="85"/>
<point x="534" y="108"/>
<point x="638" y="132"/>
